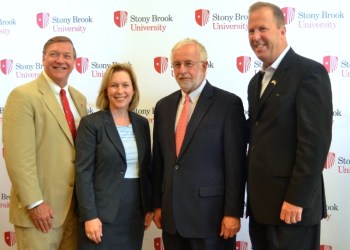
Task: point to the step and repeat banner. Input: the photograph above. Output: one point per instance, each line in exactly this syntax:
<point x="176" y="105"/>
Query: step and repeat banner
<point x="143" y="33"/>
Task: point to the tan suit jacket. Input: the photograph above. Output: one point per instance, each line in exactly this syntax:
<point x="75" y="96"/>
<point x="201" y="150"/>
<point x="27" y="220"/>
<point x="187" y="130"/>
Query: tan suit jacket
<point x="39" y="150"/>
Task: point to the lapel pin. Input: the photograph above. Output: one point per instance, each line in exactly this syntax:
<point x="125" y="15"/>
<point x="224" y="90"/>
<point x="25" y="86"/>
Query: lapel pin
<point x="274" y="82"/>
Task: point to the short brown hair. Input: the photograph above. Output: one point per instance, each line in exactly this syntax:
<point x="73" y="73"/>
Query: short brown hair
<point x="59" y="39"/>
<point x="102" y="101"/>
<point x="276" y="11"/>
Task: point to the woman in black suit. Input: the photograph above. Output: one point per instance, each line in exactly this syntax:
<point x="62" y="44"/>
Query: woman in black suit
<point x="113" y="161"/>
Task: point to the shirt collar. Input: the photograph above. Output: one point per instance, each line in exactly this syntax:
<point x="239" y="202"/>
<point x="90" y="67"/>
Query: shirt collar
<point x="55" y="88"/>
<point x="277" y="62"/>
<point x="194" y="95"/>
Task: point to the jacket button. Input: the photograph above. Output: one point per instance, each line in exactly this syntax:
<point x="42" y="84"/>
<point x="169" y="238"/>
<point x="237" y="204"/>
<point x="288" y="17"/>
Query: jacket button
<point x="177" y="167"/>
<point x="256" y="123"/>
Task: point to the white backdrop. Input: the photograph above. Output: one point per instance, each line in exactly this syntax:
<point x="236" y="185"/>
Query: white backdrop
<point x="143" y="33"/>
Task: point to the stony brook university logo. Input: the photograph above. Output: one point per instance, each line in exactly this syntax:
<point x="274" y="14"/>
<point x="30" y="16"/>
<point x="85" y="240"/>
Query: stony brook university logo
<point x="82" y="64"/>
<point x="202" y="17"/>
<point x="6" y="66"/>
<point x="120" y="18"/>
<point x="330" y="160"/>
<point x="330" y="63"/>
<point x="289" y="14"/>
<point x="243" y="63"/>
<point x="160" y="64"/>
<point x="158" y="243"/>
<point x="325" y="247"/>
<point x="241" y="245"/>
<point x="10" y="238"/>
<point x="42" y="19"/>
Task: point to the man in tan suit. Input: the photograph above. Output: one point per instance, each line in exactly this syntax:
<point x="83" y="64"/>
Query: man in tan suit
<point x="39" y="152"/>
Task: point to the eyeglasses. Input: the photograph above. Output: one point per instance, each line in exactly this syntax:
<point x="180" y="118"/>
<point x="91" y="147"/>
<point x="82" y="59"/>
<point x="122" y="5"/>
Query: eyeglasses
<point x="187" y="64"/>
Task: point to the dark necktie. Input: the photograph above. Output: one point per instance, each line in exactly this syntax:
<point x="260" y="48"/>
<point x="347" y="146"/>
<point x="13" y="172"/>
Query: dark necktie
<point x="68" y="113"/>
<point x="182" y="124"/>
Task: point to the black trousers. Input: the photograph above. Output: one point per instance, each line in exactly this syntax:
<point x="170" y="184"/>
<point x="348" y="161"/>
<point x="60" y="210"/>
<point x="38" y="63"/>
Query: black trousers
<point x="177" y="242"/>
<point x="288" y="237"/>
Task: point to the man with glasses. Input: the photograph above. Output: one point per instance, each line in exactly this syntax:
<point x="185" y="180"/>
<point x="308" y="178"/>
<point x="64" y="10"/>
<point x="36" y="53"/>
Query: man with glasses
<point x="199" y="160"/>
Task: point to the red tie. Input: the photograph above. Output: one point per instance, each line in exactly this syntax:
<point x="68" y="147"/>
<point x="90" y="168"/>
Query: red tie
<point x="68" y="113"/>
<point x="182" y="124"/>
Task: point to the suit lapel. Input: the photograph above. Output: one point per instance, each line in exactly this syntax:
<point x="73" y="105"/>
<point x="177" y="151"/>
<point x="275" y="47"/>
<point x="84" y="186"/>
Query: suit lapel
<point x="112" y="133"/>
<point x="79" y="101"/>
<point x="276" y="79"/>
<point x="199" y="112"/>
<point x="51" y="103"/>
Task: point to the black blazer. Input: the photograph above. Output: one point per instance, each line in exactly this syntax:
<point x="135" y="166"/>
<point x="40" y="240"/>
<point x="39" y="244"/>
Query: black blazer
<point x="290" y="135"/>
<point x="101" y="165"/>
<point x="207" y="180"/>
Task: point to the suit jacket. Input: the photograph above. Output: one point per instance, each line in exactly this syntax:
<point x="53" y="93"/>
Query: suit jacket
<point x="290" y="135"/>
<point x="39" y="150"/>
<point x="101" y="165"/>
<point x="207" y="180"/>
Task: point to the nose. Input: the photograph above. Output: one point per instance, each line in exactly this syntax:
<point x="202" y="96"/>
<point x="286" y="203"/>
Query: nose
<point x="119" y="89"/>
<point x="254" y="35"/>
<point x="60" y="58"/>
<point x="183" y="68"/>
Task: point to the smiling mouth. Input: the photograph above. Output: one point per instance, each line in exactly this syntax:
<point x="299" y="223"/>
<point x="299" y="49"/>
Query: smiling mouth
<point x="59" y="68"/>
<point x="259" y="46"/>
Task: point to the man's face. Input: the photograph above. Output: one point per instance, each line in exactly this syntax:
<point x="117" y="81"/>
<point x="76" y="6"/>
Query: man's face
<point x="266" y="39"/>
<point x="59" y="62"/>
<point x="189" y="71"/>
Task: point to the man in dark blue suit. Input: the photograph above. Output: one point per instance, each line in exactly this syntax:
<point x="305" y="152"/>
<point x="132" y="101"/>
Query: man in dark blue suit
<point x="199" y="188"/>
<point x="290" y="118"/>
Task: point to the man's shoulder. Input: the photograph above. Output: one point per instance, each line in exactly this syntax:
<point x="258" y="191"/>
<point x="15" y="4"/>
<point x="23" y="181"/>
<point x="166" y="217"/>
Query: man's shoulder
<point x="303" y="61"/>
<point x="28" y="86"/>
<point x="223" y="94"/>
<point x="169" y="98"/>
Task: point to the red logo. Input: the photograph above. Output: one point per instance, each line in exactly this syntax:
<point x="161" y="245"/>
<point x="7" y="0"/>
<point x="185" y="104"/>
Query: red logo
<point x="160" y="64"/>
<point x="158" y="243"/>
<point x="288" y="13"/>
<point x="42" y="19"/>
<point x="120" y="18"/>
<point x="241" y="245"/>
<point x="10" y="238"/>
<point x="82" y="64"/>
<point x="202" y="17"/>
<point x="330" y="160"/>
<point x="6" y="66"/>
<point x="325" y="247"/>
<point x="330" y="63"/>
<point x="243" y="63"/>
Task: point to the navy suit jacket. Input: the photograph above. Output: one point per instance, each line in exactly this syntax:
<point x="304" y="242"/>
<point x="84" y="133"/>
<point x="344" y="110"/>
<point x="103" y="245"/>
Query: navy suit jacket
<point x="101" y="165"/>
<point x="207" y="180"/>
<point x="290" y="135"/>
